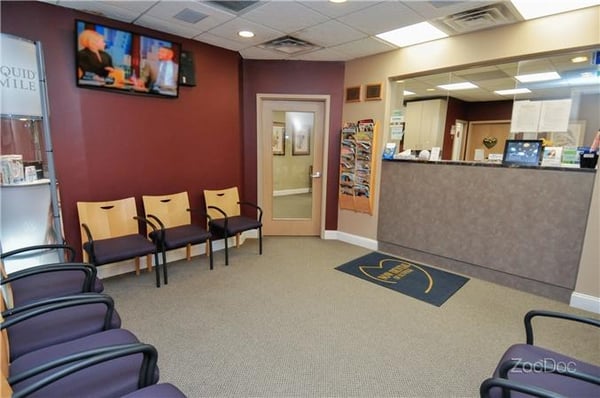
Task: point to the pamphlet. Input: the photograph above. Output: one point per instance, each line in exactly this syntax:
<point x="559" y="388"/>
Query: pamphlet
<point x="570" y="156"/>
<point x="435" y="153"/>
<point x="552" y="156"/>
<point x="390" y="150"/>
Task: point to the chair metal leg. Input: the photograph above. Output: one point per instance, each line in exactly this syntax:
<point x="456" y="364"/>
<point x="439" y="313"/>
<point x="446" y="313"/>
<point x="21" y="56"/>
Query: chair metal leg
<point x="210" y="252"/>
<point x="226" y="250"/>
<point x="260" y="240"/>
<point x="164" y="264"/>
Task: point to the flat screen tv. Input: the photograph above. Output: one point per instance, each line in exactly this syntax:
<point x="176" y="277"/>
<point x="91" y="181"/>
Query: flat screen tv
<point x="122" y="61"/>
<point x="522" y="152"/>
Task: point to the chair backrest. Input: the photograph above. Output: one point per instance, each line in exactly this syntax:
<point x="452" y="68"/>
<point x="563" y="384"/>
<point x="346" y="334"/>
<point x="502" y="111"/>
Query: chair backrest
<point x="109" y="219"/>
<point x="225" y="199"/>
<point x="4" y="348"/>
<point x="171" y="210"/>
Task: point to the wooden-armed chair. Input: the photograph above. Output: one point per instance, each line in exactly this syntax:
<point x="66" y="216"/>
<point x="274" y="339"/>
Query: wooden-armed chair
<point x="110" y="232"/>
<point x="175" y="228"/>
<point x="224" y="208"/>
<point x="537" y="371"/>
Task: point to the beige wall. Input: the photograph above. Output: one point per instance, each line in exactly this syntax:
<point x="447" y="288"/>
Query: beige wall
<point x="588" y="279"/>
<point x="572" y="30"/>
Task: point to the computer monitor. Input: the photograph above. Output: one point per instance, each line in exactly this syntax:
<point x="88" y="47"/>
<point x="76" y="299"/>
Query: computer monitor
<point x="522" y="153"/>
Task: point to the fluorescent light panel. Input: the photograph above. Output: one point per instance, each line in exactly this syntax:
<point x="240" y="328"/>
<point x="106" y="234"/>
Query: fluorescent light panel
<point x="458" y="86"/>
<point x="531" y="9"/>
<point x="413" y="34"/>
<point x="537" y="77"/>
<point x="513" y="91"/>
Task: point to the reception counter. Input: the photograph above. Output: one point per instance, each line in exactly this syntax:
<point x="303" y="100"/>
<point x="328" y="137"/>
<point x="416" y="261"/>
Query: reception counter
<point x="520" y="227"/>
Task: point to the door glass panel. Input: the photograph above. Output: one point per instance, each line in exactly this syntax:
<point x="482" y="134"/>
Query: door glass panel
<point x="292" y="164"/>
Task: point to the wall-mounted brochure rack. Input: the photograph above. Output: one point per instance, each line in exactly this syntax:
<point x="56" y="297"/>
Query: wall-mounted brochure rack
<point x="357" y="166"/>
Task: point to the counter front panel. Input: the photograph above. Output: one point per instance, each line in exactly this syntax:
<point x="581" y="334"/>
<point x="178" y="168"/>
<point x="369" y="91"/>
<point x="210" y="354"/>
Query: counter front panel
<point x="522" y="227"/>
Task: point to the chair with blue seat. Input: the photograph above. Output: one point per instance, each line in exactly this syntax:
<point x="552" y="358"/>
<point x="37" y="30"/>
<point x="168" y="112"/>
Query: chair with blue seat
<point x="110" y="232"/>
<point x="226" y="218"/>
<point x="120" y="370"/>
<point x="537" y="371"/>
<point x="175" y="229"/>
<point x="52" y="279"/>
<point x="57" y="320"/>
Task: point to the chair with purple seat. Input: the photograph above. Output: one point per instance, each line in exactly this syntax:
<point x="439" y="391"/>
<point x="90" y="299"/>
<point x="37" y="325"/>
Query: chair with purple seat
<point x="175" y="227"/>
<point x="110" y="232"/>
<point x="57" y="320"/>
<point x="121" y="370"/>
<point x="50" y="279"/>
<point x="536" y="371"/>
<point x="226" y="219"/>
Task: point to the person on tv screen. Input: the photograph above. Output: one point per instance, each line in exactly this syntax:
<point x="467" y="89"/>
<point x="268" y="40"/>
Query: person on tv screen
<point x="92" y="60"/>
<point x="160" y="76"/>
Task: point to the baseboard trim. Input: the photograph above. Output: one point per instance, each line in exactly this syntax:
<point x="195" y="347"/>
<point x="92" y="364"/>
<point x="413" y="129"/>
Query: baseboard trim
<point x="352" y="239"/>
<point x="585" y="302"/>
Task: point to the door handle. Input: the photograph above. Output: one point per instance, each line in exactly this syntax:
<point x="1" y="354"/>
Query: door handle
<point x="316" y="175"/>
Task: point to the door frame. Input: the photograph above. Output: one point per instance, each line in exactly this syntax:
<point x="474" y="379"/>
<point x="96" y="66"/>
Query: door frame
<point x="326" y="101"/>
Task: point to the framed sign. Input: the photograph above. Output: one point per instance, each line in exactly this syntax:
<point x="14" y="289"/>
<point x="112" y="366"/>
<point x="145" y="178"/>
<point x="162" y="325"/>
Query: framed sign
<point x="353" y="94"/>
<point x="278" y="138"/>
<point x="373" y="92"/>
<point x="301" y="141"/>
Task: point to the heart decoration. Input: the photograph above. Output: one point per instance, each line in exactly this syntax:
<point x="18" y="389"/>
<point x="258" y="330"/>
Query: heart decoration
<point x="490" y="142"/>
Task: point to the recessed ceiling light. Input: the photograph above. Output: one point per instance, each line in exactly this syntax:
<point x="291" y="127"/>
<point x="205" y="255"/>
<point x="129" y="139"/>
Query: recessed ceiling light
<point x="245" y="33"/>
<point x="537" y="77"/>
<point x="577" y="60"/>
<point x="540" y="8"/>
<point x="337" y="1"/>
<point x="406" y="92"/>
<point x="458" y="86"/>
<point x="430" y="89"/>
<point x="413" y="34"/>
<point x="513" y="91"/>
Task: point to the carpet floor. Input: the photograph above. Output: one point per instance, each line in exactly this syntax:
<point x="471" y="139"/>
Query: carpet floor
<point x="287" y="324"/>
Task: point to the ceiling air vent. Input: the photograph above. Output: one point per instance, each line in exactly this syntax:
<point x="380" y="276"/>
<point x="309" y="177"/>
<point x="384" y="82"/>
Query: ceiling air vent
<point x="234" y="6"/>
<point x="189" y="16"/>
<point x="289" y="45"/>
<point x="480" y="18"/>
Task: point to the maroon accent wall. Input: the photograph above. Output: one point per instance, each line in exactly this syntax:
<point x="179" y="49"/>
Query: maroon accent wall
<point x="472" y="111"/>
<point x="109" y="145"/>
<point x="294" y="77"/>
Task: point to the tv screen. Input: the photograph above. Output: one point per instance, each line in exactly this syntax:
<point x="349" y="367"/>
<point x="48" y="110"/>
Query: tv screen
<point x="123" y="61"/>
<point x="522" y="152"/>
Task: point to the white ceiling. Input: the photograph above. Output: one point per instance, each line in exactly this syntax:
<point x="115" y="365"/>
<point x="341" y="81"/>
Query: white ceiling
<point x="341" y="32"/>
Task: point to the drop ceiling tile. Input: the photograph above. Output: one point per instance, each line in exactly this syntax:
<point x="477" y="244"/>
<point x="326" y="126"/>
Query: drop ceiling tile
<point x="326" y="54"/>
<point x="363" y="47"/>
<point x="335" y="10"/>
<point x="166" y="26"/>
<point x="219" y="41"/>
<point x="230" y="29"/>
<point x="166" y="11"/>
<point x="330" y="33"/>
<point x="107" y="9"/>
<point x="285" y="16"/>
<point x="382" y="17"/>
